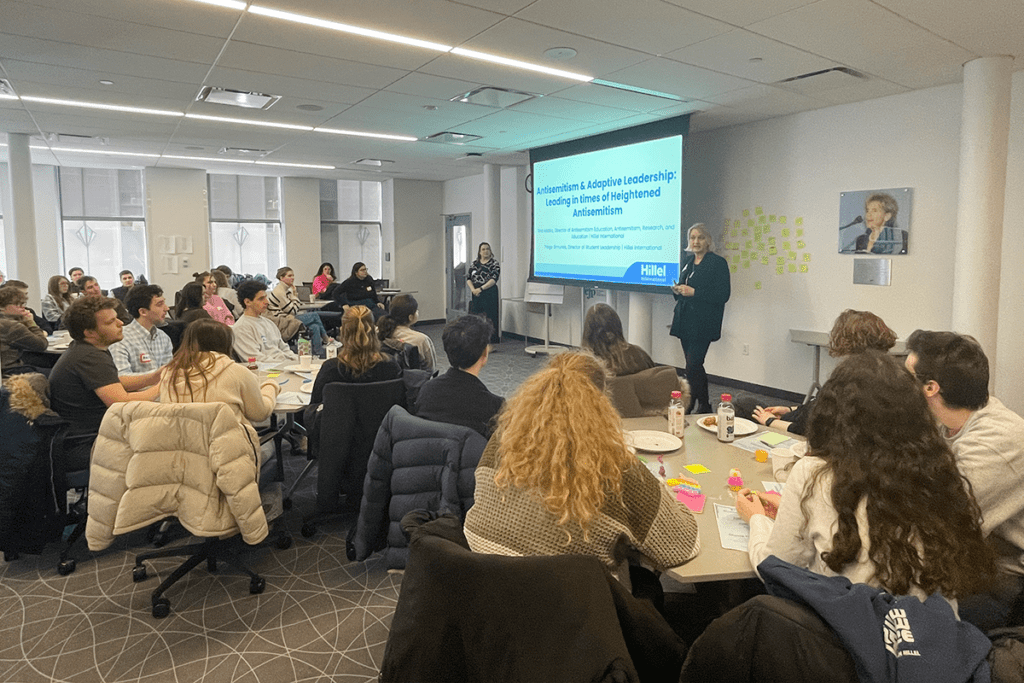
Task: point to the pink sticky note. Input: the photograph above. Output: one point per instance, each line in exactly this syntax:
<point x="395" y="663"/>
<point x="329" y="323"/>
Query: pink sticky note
<point x="695" y="503"/>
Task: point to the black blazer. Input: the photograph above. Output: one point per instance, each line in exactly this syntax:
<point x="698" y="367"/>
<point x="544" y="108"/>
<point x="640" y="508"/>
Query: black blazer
<point x="700" y="316"/>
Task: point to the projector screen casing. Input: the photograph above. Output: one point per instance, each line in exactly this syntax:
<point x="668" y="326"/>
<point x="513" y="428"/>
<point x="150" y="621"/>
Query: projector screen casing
<point x="603" y="147"/>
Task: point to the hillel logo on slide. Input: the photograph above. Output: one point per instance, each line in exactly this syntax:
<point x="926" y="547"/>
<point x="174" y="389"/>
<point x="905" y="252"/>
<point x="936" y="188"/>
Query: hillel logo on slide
<point x="652" y="270"/>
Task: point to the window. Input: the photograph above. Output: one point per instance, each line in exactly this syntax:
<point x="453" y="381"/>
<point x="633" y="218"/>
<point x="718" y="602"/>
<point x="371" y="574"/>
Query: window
<point x="350" y="215"/>
<point x="3" y="243"/>
<point x="103" y="225"/>
<point x="245" y="223"/>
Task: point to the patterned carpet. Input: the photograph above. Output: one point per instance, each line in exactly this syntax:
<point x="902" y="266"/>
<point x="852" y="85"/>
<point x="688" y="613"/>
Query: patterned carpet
<point x="321" y="617"/>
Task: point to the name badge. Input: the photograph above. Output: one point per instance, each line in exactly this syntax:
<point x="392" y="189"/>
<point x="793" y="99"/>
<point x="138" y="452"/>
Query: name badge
<point x="144" y="358"/>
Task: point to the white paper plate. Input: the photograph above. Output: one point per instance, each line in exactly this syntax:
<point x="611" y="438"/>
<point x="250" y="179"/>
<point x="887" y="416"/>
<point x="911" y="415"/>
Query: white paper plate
<point x="741" y="427"/>
<point x="306" y="388"/>
<point x="297" y="367"/>
<point x="653" y="441"/>
<point x="61" y="346"/>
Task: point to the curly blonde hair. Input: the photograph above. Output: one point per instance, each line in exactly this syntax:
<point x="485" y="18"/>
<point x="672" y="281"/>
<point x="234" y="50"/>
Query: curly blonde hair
<point x="360" y="348"/>
<point x="858" y="331"/>
<point x="560" y="436"/>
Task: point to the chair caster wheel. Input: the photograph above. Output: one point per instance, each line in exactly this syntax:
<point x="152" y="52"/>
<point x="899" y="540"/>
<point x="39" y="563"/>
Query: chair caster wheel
<point x="286" y="504"/>
<point x="10" y="556"/>
<point x="308" y="529"/>
<point x="139" y="573"/>
<point x="257" y="585"/>
<point x="284" y="542"/>
<point x="161" y="607"/>
<point x="66" y="567"/>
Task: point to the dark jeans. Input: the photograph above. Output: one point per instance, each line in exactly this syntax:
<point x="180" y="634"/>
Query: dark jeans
<point x="695" y="351"/>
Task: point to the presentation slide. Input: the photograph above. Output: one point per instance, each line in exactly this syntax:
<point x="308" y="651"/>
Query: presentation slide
<point x="610" y="216"/>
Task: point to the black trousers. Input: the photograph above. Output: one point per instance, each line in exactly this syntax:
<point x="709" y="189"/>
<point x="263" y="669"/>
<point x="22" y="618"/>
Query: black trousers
<point x="695" y="351"/>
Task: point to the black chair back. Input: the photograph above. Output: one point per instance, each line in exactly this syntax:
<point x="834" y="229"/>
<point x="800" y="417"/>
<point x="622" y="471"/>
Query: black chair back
<point x="174" y="329"/>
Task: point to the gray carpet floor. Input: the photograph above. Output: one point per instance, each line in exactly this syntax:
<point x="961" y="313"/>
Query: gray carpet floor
<point x="321" y="618"/>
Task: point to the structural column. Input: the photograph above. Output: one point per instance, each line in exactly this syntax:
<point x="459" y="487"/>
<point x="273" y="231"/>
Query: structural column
<point x="25" y="264"/>
<point x="492" y="211"/>
<point x="984" y="130"/>
<point x="640" y="320"/>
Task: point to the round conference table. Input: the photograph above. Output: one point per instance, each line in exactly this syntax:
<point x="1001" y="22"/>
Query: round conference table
<point x="713" y="563"/>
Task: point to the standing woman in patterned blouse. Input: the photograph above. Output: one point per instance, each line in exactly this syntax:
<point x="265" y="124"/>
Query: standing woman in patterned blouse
<point x="483" y="283"/>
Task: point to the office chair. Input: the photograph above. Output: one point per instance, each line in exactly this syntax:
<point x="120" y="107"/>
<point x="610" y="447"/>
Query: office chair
<point x="646" y="392"/>
<point x="193" y="461"/>
<point x="348" y="421"/>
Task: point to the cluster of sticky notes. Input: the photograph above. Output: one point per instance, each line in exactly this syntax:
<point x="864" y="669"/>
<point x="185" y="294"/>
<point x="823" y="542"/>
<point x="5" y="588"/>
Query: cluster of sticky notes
<point x="688" y="492"/>
<point x="763" y="247"/>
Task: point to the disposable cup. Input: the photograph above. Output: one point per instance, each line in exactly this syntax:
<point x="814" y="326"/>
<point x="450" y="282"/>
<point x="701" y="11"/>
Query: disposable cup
<point x="305" y="361"/>
<point x="782" y="459"/>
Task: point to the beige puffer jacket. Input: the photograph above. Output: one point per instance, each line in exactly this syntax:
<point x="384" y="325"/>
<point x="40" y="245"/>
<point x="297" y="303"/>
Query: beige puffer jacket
<point x="195" y="461"/>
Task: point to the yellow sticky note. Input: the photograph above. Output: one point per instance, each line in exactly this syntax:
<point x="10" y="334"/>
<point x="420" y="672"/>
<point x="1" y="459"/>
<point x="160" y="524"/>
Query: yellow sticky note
<point x="696" y="469"/>
<point x="792" y="267"/>
<point x="780" y="269"/>
<point x="799" y="221"/>
<point x="785" y="245"/>
<point x="764" y="260"/>
<point x="800" y="244"/>
<point x="807" y="258"/>
<point x="744" y="254"/>
<point x="749" y="244"/>
<point x="746" y="232"/>
<point x="760" y="246"/>
<point x="773" y="251"/>
<point x="735" y="258"/>
<point x="785" y="232"/>
<point x="746" y="264"/>
<point x="771" y="438"/>
<point x="792" y="256"/>
<point x="750" y="222"/>
<point x="803" y="267"/>
<point x="758" y="210"/>
<point x="762" y="219"/>
<point x="780" y="260"/>
<point x="772" y="218"/>
<point x="767" y="229"/>
<point x="736" y="224"/>
<point x="771" y="241"/>
<point x="733" y="233"/>
<point x="799" y="232"/>
<point x="782" y="219"/>
<point x="757" y="285"/>
<point x="746" y="212"/>
<point x="732" y="269"/>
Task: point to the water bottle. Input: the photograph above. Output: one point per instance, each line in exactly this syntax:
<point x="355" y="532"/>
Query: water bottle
<point x="676" y="415"/>
<point x="726" y="419"/>
<point x="252" y="365"/>
<point x="305" y="348"/>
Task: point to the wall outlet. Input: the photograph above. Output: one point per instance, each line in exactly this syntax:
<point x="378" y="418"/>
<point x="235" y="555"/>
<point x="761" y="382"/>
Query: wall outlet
<point x="746" y="349"/>
<point x="184" y="264"/>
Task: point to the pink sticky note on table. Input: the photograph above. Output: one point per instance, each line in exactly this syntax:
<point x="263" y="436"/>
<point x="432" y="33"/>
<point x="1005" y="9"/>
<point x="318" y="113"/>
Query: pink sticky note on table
<point x="695" y="503"/>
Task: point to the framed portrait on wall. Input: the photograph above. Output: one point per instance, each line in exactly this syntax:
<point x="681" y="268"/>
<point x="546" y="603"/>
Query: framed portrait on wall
<point x="875" y="221"/>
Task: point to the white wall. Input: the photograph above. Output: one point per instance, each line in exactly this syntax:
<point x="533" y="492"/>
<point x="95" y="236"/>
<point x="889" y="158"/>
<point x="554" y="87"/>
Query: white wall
<point x="176" y="204"/>
<point x="300" y="202"/>
<point x="418" y="254"/>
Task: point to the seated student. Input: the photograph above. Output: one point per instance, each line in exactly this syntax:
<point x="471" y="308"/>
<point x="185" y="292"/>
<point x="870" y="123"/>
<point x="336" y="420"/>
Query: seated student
<point x="228" y="295"/>
<point x="84" y="382"/>
<point x="853" y="332"/>
<point x="214" y="304"/>
<point x="987" y="440"/>
<point x="202" y="371"/>
<point x="877" y="482"/>
<point x="358" y="290"/>
<point x="144" y="347"/>
<point x="58" y="298"/>
<point x="284" y="302"/>
<point x="557" y="478"/>
<point x="127" y="282"/>
<point x="190" y="305"/>
<point x="325" y="277"/>
<point x="76" y="274"/>
<point x="40" y="321"/>
<point x="602" y="335"/>
<point x="255" y="335"/>
<point x="90" y="286"/>
<point x="458" y="396"/>
<point x="405" y="311"/>
<point x="18" y="332"/>
<point x="406" y="355"/>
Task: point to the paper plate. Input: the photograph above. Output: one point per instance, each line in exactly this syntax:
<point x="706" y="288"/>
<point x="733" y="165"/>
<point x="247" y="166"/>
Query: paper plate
<point x="298" y="367"/>
<point x="306" y="388"/>
<point x="654" y="442"/>
<point x="741" y="426"/>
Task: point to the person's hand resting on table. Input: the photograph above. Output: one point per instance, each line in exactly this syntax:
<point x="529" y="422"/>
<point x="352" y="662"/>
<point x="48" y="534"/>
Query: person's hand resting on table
<point x="769" y="417"/>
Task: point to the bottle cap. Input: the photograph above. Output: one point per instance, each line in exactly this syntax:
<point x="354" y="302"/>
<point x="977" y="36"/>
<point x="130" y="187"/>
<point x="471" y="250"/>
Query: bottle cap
<point x="726" y="397"/>
<point x="252" y="359"/>
<point x="677" y="394"/>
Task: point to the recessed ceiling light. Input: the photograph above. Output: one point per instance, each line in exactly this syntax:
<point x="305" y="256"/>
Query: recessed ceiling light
<point x="560" y="53"/>
<point x="483" y="56"/>
<point x="346" y="28"/>
<point x="247" y="122"/>
<point x="236" y="98"/>
<point x="452" y="138"/>
<point x="99" y="105"/>
<point x="309" y="107"/>
<point x="756" y="60"/>
<point x="106" y="82"/>
<point x="360" y="134"/>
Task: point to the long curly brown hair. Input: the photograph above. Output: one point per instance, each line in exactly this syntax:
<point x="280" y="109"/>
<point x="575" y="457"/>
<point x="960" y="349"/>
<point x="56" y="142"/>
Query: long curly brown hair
<point x="857" y="331"/>
<point x="560" y="436"/>
<point x="871" y="426"/>
<point x="602" y="334"/>
<point x="360" y="348"/>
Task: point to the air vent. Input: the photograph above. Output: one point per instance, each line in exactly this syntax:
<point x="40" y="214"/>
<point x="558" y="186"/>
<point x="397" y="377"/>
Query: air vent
<point x="497" y="98"/>
<point x="452" y="138"/>
<point x="821" y="81"/>
<point x="243" y="152"/>
<point x="471" y="156"/>
<point x="373" y="162"/>
<point x="236" y="98"/>
<point x="6" y="90"/>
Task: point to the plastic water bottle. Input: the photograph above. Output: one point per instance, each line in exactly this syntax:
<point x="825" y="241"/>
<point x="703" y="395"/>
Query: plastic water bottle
<point x="676" y="414"/>
<point x="726" y="419"/>
<point x="252" y="365"/>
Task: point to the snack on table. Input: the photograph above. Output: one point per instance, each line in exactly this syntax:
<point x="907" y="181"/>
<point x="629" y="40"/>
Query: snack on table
<point x="735" y="481"/>
<point x="711" y="421"/>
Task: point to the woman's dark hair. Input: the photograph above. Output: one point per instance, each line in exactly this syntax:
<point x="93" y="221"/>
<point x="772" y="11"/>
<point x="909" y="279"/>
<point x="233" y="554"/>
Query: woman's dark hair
<point x="481" y="246"/>
<point x="403" y="308"/>
<point x="355" y="268"/>
<point x="201" y="277"/>
<point x="191" y="298"/>
<point x="225" y="269"/>
<point x="220" y="278"/>
<point x="602" y="334"/>
<point x="386" y="327"/>
<point x="871" y="426"/>
<point x="193" y="361"/>
<point x="320" y="270"/>
<point x="53" y="288"/>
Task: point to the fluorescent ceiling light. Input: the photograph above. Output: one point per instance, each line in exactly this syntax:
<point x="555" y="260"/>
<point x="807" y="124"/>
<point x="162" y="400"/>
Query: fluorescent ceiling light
<point x="72" y="150"/>
<point x="230" y="4"/>
<point x="384" y="136"/>
<point x="248" y="122"/>
<point x="98" y="105"/>
<point x="473" y="54"/>
<point x="5" y="96"/>
<point x="639" y="90"/>
<point x="282" y="163"/>
<point x="210" y="159"/>
<point x="346" y="28"/>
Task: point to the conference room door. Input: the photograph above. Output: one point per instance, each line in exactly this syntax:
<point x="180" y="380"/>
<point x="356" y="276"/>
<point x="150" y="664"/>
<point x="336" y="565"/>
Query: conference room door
<point x="456" y="242"/>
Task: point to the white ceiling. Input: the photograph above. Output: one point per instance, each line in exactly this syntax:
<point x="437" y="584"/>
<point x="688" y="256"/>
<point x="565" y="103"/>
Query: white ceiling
<point x="723" y="58"/>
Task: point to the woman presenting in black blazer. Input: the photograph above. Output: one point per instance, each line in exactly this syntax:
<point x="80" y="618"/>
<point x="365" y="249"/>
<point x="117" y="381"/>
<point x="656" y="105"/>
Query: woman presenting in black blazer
<point x="701" y="294"/>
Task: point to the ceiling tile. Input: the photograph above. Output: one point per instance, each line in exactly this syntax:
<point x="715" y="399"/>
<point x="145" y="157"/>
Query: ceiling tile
<point x="568" y="109"/>
<point x="307" y="90"/>
<point x="506" y="7"/>
<point x="740" y="13"/>
<point x="732" y="53"/>
<point x="986" y="28"/>
<point x="27" y="76"/>
<point x="239" y="55"/>
<point x="461" y="68"/>
<point x="431" y="87"/>
<point x="678" y="79"/>
<point x="613" y="97"/>
<point x="650" y="26"/>
<point x="180" y="15"/>
<point x="768" y="101"/>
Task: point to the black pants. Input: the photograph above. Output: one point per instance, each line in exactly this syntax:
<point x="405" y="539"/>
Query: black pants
<point x="695" y="351"/>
